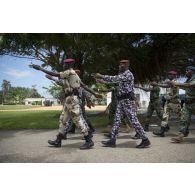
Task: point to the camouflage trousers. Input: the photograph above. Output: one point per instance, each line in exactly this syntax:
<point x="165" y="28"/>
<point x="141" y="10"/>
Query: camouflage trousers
<point x="112" y="111"/>
<point x="72" y="110"/>
<point x="69" y="125"/>
<point x="127" y="108"/>
<point x="153" y="106"/>
<point x="168" y="109"/>
<point x="186" y="114"/>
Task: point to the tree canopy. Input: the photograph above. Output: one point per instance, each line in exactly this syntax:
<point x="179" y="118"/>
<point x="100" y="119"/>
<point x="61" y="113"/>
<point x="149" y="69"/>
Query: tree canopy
<point x="149" y="54"/>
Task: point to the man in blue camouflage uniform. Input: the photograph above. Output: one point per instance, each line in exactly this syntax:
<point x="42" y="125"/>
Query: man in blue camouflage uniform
<point x="189" y="105"/>
<point x="125" y="105"/>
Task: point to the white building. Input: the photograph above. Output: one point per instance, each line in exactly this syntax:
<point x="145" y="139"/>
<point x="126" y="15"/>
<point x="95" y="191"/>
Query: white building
<point x="29" y="101"/>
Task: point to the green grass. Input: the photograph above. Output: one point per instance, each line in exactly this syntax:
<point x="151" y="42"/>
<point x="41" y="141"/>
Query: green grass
<point x="38" y="120"/>
<point x="15" y="107"/>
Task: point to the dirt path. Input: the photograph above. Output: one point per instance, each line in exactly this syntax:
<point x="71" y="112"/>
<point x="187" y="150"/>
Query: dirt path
<point x="96" y="108"/>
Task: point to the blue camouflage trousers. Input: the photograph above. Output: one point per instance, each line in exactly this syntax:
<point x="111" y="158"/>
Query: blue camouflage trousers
<point x="127" y="108"/>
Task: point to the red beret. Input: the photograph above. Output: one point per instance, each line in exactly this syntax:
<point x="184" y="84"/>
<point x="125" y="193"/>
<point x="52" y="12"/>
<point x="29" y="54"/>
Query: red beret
<point x="172" y="72"/>
<point x="124" y="61"/>
<point x="69" y="60"/>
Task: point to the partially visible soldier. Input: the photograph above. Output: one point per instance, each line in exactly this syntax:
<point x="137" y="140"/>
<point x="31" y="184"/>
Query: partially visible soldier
<point x="172" y="103"/>
<point x="113" y="88"/>
<point x="72" y="108"/>
<point x="189" y="105"/>
<point x="125" y="105"/>
<point x="154" y="105"/>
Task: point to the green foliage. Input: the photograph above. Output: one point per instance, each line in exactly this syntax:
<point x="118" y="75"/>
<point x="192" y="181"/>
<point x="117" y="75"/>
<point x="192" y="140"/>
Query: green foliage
<point x="149" y="54"/>
<point x="56" y="91"/>
<point x="16" y="95"/>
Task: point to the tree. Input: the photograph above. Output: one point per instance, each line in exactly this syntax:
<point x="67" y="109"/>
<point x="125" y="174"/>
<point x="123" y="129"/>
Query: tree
<point x="5" y="89"/>
<point x="149" y="54"/>
<point x="16" y="95"/>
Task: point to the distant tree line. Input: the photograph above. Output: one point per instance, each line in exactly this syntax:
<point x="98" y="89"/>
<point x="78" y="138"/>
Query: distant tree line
<point x="16" y="95"/>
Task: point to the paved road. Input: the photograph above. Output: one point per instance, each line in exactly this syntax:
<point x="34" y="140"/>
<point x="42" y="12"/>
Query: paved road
<point x="31" y="146"/>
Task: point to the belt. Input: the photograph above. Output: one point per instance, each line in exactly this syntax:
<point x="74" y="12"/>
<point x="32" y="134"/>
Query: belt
<point x="129" y="96"/>
<point x="74" y="92"/>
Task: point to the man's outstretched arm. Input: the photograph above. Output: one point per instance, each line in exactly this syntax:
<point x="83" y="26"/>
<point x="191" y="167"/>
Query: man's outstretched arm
<point x="58" y="82"/>
<point x="90" y="90"/>
<point x="37" y="67"/>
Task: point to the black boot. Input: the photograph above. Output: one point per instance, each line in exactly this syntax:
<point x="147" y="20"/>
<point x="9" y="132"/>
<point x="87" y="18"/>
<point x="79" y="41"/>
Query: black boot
<point x="160" y="133"/>
<point x="136" y="136"/>
<point x="185" y="132"/>
<point x="110" y="143"/>
<point x="146" y="128"/>
<point x="57" y="142"/>
<point x="144" y="144"/>
<point x="88" y="142"/>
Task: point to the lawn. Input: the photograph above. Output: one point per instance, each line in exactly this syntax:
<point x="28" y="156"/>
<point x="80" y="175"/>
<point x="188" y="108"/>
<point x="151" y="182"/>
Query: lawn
<point x="39" y="120"/>
<point x="16" y="107"/>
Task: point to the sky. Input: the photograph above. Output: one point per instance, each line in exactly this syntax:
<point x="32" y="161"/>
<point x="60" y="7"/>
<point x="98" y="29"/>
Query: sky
<point x="17" y="71"/>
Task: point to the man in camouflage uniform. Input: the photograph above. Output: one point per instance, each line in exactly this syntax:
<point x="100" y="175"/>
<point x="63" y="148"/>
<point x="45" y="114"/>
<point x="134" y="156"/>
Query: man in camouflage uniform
<point x="125" y="105"/>
<point x="154" y="105"/>
<point x="72" y="108"/>
<point x="172" y="103"/>
<point x="84" y="98"/>
<point x="189" y="106"/>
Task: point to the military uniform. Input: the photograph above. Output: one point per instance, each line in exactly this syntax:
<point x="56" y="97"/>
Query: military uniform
<point x="189" y="106"/>
<point x="126" y="103"/>
<point x="84" y="97"/>
<point x="154" y="105"/>
<point x="72" y="110"/>
<point x="113" y="104"/>
<point x="172" y="105"/>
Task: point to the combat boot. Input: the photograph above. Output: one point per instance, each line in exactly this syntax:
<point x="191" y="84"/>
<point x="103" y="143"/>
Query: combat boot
<point x="58" y="141"/>
<point x="110" y="143"/>
<point x="88" y="142"/>
<point x="136" y="136"/>
<point x="144" y="143"/>
<point x="146" y="128"/>
<point x="178" y="139"/>
<point x="160" y="133"/>
<point x="185" y="132"/>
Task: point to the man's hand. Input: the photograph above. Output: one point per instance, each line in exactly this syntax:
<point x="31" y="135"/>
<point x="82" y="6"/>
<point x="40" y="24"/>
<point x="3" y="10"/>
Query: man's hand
<point x="37" y="67"/>
<point x="100" y="81"/>
<point x="154" y="83"/>
<point x="96" y="75"/>
<point x="49" y="77"/>
<point x="171" y="83"/>
<point x="98" y="96"/>
<point x="90" y="104"/>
